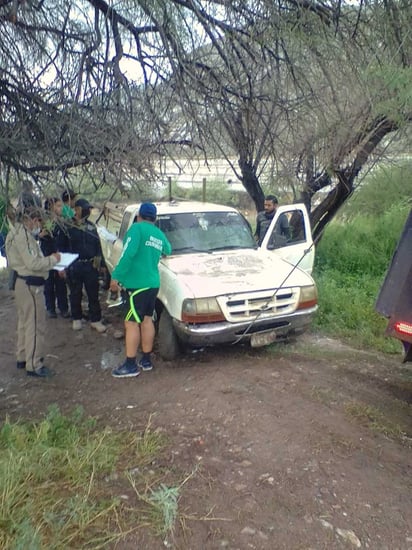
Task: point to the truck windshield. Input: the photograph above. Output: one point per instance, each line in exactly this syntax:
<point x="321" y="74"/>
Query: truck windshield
<point x="206" y="231"/>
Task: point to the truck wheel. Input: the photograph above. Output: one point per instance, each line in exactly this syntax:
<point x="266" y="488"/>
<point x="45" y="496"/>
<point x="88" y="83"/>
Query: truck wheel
<point x="168" y="342"/>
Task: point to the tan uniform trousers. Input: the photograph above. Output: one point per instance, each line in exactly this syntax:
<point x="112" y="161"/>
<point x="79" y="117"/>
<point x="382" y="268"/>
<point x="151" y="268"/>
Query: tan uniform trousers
<point x="31" y="324"/>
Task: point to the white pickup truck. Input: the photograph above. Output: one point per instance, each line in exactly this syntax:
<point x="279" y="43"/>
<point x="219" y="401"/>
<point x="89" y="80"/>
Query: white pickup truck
<point x="218" y="286"/>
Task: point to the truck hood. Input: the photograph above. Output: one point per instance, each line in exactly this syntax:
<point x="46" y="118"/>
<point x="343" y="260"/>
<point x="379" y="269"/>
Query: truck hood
<point x="246" y="270"/>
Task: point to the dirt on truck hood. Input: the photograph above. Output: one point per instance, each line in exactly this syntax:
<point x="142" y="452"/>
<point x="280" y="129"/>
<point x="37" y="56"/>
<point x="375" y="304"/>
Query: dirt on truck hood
<point x="218" y="273"/>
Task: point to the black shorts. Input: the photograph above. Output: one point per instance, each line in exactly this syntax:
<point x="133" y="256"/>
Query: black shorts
<point x="139" y="303"/>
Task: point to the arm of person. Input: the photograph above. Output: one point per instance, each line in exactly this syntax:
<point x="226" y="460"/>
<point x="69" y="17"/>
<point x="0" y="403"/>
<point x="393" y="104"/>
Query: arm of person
<point x="27" y="246"/>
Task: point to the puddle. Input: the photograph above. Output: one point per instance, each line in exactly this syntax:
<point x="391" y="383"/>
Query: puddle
<point x="111" y="359"/>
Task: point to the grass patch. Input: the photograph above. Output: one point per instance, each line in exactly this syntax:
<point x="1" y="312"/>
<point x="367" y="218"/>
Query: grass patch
<point x="375" y="419"/>
<point x="54" y="486"/>
<point x="351" y="262"/>
<point x="346" y="311"/>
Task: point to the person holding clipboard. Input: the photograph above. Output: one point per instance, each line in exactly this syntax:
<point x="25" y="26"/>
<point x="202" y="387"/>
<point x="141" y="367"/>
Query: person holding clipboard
<point x="32" y="268"/>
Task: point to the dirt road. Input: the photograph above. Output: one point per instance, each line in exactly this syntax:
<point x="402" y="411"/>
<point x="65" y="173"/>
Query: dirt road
<point x="302" y="446"/>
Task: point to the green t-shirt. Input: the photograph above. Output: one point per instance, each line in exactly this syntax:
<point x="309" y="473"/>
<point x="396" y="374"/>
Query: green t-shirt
<point x="143" y="245"/>
<point x="67" y="211"/>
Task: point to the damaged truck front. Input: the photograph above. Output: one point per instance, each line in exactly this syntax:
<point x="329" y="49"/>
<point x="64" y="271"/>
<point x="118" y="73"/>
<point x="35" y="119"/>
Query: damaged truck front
<point x="218" y="286"/>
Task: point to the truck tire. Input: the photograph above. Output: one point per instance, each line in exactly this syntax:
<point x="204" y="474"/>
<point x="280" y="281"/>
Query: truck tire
<point x="168" y="342"/>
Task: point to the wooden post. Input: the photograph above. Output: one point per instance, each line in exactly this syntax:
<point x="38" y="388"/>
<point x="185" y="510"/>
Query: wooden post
<point x="169" y="179"/>
<point x="204" y="190"/>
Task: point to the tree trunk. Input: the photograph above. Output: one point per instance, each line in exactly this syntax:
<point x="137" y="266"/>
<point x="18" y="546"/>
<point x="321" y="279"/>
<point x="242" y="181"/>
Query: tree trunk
<point x="251" y="183"/>
<point x="322" y="214"/>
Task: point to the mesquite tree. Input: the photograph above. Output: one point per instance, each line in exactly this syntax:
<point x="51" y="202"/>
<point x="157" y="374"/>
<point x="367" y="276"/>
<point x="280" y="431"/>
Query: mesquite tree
<point x="309" y="88"/>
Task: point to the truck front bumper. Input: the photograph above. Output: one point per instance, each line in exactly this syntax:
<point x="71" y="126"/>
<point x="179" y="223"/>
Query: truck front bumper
<point x="210" y="334"/>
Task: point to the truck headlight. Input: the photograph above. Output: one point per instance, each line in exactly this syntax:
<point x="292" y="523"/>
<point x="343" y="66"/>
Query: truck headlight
<point x="308" y="297"/>
<point x="201" y="310"/>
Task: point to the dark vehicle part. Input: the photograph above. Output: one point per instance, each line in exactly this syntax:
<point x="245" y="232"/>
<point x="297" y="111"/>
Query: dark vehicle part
<point x="395" y="296"/>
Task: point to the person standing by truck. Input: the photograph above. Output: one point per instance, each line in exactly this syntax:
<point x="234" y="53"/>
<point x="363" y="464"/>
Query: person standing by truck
<point x="32" y="268"/>
<point x="265" y="218"/>
<point x="83" y="239"/>
<point x="52" y="238"/>
<point x="137" y="273"/>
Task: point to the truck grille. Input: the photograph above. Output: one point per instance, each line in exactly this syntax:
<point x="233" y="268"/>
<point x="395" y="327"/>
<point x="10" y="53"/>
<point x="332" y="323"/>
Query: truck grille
<point x="265" y="303"/>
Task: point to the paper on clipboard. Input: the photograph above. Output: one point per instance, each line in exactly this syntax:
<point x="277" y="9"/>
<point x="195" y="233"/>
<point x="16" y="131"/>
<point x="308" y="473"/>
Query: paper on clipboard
<point x="67" y="258"/>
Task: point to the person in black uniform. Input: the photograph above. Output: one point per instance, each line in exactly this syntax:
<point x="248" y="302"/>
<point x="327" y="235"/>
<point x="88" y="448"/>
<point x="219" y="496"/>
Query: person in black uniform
<point x="83" y="240"/>
<point x="51" y="240"/>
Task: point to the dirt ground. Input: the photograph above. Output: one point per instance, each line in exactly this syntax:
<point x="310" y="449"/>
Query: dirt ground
<point x="298" y="446"/>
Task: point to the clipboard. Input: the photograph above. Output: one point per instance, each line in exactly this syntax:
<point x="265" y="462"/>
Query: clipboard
<point x="67" y="258"/>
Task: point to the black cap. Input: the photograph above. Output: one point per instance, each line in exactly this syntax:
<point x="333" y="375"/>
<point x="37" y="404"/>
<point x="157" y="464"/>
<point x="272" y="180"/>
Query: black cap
<point x="83" y="203"/>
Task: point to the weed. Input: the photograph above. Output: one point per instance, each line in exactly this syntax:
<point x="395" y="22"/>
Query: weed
<point x="150" y="443"/>
<point x="52" y="489"/>
<point x="165" y="505"/>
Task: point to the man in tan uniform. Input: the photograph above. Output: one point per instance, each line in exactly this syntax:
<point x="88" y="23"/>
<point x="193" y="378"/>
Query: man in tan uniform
<point x="25" y="257"/>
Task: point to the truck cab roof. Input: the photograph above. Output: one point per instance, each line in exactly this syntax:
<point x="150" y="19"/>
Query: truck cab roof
<point x="173" y="207"/>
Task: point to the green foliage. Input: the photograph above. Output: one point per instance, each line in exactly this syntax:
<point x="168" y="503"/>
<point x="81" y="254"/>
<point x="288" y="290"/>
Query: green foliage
<point x="346" y="310"/>
<point x="387" y="186"/>
<point x="393" y="86"/>
<point x="53" y="492"/>
<point x="364" y="244"/>
<point x="351" y="262"/>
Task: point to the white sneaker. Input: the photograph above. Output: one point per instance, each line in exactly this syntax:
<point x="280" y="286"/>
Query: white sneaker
<point x="77" y="324"/>
<point x="99" y="326"/>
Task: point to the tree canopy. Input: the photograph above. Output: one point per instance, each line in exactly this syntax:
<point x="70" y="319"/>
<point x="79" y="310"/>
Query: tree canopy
<point x="310" y="89"/>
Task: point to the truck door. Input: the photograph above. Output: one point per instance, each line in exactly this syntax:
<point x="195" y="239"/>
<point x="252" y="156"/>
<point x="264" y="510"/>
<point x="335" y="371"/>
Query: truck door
<point x="289" y="236"/>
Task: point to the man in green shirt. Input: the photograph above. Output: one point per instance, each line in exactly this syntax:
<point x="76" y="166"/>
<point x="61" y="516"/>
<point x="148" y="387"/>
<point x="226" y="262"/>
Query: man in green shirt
<point x="138" y="273"/>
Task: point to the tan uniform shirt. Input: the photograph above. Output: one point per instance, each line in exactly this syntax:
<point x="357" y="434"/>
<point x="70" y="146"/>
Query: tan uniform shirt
<point x="24" y="254"/>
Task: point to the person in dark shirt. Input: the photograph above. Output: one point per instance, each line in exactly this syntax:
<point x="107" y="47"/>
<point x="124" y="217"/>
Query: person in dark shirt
<point x="52" y="240"/>
<point x="265" y="218"/>
<point x="83" y="239"/>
